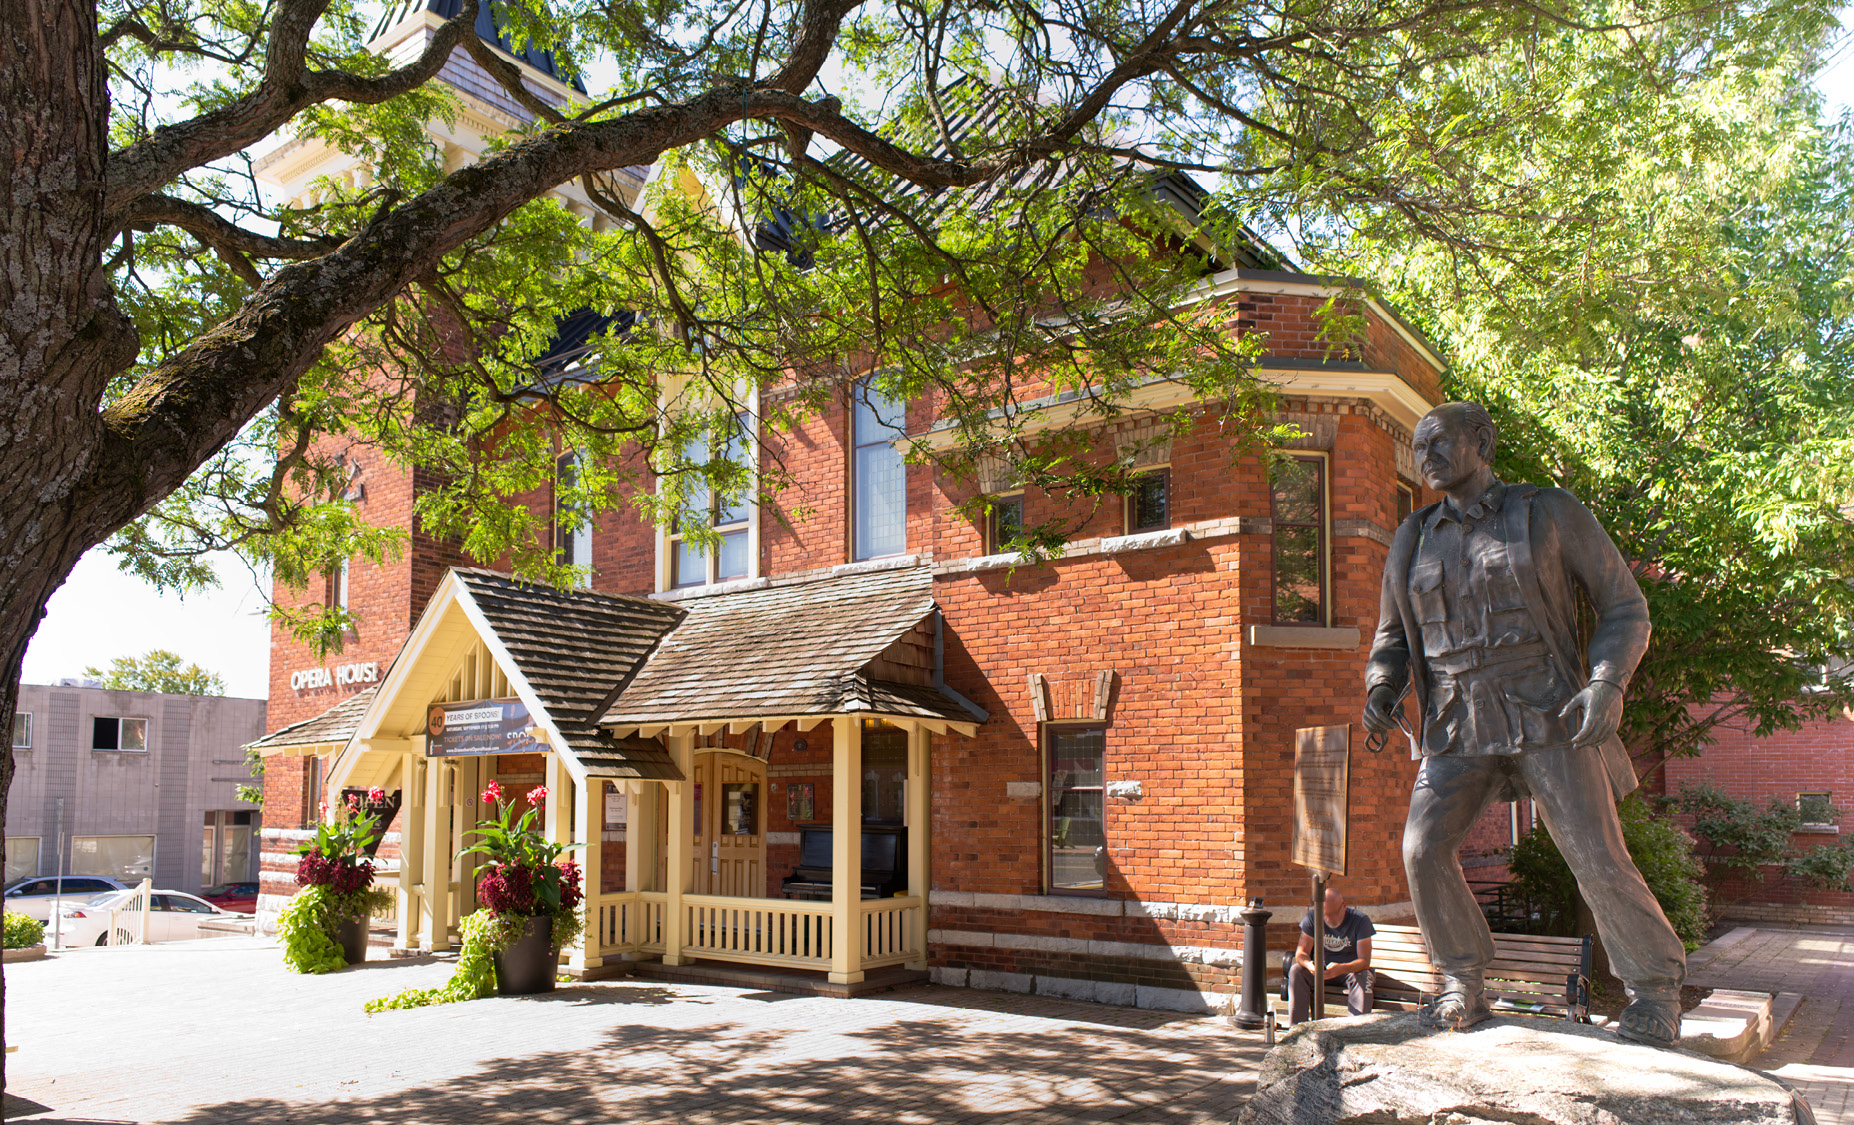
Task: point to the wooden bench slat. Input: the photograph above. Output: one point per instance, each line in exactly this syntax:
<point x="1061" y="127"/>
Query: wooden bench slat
<point x="1529" y="973"/>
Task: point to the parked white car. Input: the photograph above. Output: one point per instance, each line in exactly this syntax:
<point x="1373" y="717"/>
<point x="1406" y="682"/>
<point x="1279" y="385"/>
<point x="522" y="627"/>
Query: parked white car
<point x="33" y="897"/>
<point x="172" y="916"/>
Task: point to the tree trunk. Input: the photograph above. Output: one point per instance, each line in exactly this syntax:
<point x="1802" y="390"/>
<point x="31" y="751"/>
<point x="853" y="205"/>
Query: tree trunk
<point x="61" y="335"/>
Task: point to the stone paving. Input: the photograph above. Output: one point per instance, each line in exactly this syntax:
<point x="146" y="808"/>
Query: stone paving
<point x="1815" y="1050"/>
<point x="218" y="1031"/>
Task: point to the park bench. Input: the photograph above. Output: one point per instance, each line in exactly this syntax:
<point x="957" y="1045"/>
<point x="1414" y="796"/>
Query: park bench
<point x="1529" y="975"/>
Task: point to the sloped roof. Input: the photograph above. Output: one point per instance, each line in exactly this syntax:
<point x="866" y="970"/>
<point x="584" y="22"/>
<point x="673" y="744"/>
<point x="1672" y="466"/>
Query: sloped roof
<point x="575" y="648"/>
<point x="332" y="727"/>
<point x="487" y="29"/>
<point x="791" y="649"/>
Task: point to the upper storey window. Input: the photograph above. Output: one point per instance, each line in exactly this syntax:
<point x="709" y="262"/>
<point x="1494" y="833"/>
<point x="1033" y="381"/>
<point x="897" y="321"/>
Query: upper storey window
<point x="1149" y="505"/>
<point x="1298" y="503"/>
<point x="572" y="527"/>
<point x="878" y="475"/>
<point x="730" y="515"/>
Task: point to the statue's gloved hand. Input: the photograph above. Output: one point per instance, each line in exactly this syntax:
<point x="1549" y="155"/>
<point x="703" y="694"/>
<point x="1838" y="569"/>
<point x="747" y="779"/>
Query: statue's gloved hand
<point x="1600" y="706"/>
<point x="1380" y="709"/>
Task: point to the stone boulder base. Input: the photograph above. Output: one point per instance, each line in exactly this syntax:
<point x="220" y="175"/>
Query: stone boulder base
<point x="1382" y="1069"/>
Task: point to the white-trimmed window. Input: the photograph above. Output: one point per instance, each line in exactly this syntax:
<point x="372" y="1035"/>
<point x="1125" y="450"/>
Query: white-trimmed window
<point x="22" y="730"/>
<point x="115" y="732"/>
<point x="128" y="858"/>
<point x="1004" y="522"/>
<point x="729" y="515"/>
<point x="1406" y="501"/>
<point x="1149" y="502"/>
<point x="572" y="527"/>
<point x="1298" y="507"/>
<point x="878" y="474"/>
<point x="1817" y="809"/>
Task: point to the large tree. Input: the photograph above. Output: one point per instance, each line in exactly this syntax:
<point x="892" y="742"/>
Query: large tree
<point x="1683" y="360"/>
<point x="173" y="345"/>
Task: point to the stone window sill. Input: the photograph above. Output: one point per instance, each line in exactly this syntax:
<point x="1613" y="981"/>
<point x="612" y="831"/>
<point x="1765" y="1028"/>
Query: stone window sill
<point x="1302" y="636"/>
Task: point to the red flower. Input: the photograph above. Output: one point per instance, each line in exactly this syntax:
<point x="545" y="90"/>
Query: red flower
<point x="376" y="794"/>
<point x="537" y="795"/>
<point x="492" y="793"/>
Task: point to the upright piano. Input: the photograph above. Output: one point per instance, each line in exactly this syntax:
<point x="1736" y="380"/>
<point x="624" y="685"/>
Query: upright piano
<point x="885" y="863"/>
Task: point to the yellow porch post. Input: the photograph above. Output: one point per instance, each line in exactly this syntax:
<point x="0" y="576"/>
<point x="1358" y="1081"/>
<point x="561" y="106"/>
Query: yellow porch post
<point x="919" y="817"/>
<point x="411" y="846"/>
<point x="846" y="839"/>
<point x="681" y="845"/>
<point x="466" y="790"/>
<point x="588" y="825"/>
<point x="436" y="912"/>
<point x="640" y="837"/>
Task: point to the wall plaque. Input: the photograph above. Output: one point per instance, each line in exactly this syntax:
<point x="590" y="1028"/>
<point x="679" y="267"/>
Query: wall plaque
<point x="1322" y="788"/>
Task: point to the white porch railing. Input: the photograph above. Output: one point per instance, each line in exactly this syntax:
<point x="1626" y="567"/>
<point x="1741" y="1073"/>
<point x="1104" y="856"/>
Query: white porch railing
<point x="757" y="931"/>
<point x="128" y="923"/>
<point x="892" y="931"/>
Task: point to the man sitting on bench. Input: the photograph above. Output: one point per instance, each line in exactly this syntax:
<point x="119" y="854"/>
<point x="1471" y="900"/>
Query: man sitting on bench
<point x="1348" y="955"/>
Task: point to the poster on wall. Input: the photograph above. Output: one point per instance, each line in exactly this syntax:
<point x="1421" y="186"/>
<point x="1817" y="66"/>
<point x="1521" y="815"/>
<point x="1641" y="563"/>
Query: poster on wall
<point x="615" y="802"/>
<point x="482" y="726"/>
<point x="798" y="801"/>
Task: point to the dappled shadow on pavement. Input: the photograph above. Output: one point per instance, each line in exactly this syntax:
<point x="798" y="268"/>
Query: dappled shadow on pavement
<point x="944" y="1068"/>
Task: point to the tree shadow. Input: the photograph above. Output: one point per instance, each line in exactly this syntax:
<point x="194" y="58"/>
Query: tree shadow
<point x="933" y="1070"/>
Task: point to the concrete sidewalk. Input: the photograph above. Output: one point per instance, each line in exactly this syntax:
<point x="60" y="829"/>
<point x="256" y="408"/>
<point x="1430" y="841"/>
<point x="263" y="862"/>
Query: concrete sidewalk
<point x="217" y="1031"/>
<point x="1815" y="1050"/>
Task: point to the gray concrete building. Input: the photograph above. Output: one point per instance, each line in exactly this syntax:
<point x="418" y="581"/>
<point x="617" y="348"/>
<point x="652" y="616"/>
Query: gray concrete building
<point x="149" y="784"/>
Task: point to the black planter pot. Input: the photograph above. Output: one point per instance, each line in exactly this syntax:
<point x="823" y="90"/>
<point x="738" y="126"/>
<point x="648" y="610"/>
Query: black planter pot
<point x="351" y="935"/>
<point x="530" y="964"/>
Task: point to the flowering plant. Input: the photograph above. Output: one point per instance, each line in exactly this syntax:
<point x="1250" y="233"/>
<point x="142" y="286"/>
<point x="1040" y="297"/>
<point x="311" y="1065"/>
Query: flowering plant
<point x="337" y="880"/>
<point x="522" y="873"/>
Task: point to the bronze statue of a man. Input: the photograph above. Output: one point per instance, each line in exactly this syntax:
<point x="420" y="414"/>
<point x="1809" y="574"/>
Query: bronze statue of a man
<point x="1479" y="617"/>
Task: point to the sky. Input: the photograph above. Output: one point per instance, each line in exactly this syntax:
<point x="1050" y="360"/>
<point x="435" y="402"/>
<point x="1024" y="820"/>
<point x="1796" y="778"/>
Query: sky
<point x="100" y="613"/>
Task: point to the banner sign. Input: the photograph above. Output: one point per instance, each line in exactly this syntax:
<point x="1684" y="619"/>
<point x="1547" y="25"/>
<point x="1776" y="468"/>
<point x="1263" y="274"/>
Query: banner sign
<point x="483" y="726"/>
<point x="1322" y="784"/>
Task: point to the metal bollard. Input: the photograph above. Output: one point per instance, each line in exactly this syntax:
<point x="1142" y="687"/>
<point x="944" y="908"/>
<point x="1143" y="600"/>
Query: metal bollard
<point x="1249" y="1015"/>
<point x="1268" y="1029"/>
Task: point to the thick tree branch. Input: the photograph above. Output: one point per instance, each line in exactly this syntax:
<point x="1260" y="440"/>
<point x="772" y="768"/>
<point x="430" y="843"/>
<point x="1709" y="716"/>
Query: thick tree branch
<point x="217" y="231"/>
<point x="286" y="89"/>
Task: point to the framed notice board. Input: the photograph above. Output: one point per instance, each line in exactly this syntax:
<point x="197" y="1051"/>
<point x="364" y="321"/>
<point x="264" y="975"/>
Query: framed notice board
<point x="1322" y="792"/>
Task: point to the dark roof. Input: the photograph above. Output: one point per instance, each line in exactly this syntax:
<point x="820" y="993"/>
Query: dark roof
<point x="575" y="648"/>
<point x="486" y="29"/>
<point x="791" y="649"/>
<point x="975" y="114"/>
<point x="573" y="336"/>
<point x="332" y="727"/>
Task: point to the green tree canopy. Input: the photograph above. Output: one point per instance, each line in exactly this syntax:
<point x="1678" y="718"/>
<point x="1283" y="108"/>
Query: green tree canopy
<point x="158" y="670"/>
<point x="1682" y="358"/>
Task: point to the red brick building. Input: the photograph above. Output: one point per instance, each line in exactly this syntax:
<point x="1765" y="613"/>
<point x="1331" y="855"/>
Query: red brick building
<point x="1086" y="763"/>
<point x="1813" y="768"/>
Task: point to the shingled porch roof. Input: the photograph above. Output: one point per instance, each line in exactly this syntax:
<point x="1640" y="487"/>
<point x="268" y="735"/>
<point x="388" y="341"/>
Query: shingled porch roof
<point x="856" y="643"/>
<point x="332" y="728"/>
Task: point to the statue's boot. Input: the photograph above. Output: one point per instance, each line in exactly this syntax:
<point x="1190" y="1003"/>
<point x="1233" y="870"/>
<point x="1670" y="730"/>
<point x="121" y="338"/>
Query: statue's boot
<point x="1463" y="1002"/>
<point x="1652" y="1017"/>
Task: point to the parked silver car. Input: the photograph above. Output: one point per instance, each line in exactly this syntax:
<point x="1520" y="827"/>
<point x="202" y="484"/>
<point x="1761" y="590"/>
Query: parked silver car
<point x="33" y="895"/>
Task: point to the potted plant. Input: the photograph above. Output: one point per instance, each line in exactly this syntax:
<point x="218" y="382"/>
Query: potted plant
<point x="533" y="897"/>
<point x="530" y="909"/>
<point x="324" y="926"/>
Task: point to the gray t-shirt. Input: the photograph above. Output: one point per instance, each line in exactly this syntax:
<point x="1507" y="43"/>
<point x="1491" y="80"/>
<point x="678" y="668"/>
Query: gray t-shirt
<point x="1342" y="940"/>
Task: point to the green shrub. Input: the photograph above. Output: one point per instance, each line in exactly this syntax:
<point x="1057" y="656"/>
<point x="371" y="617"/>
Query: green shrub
<point x="1739" y="835"/>
<point x="23" y="932"/>
<point x="1661" y="851"/>
<point x="1825" y="867"/>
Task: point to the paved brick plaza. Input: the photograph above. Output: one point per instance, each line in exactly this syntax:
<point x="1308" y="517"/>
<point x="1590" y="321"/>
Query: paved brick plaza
<point x="217" y="1031"/>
